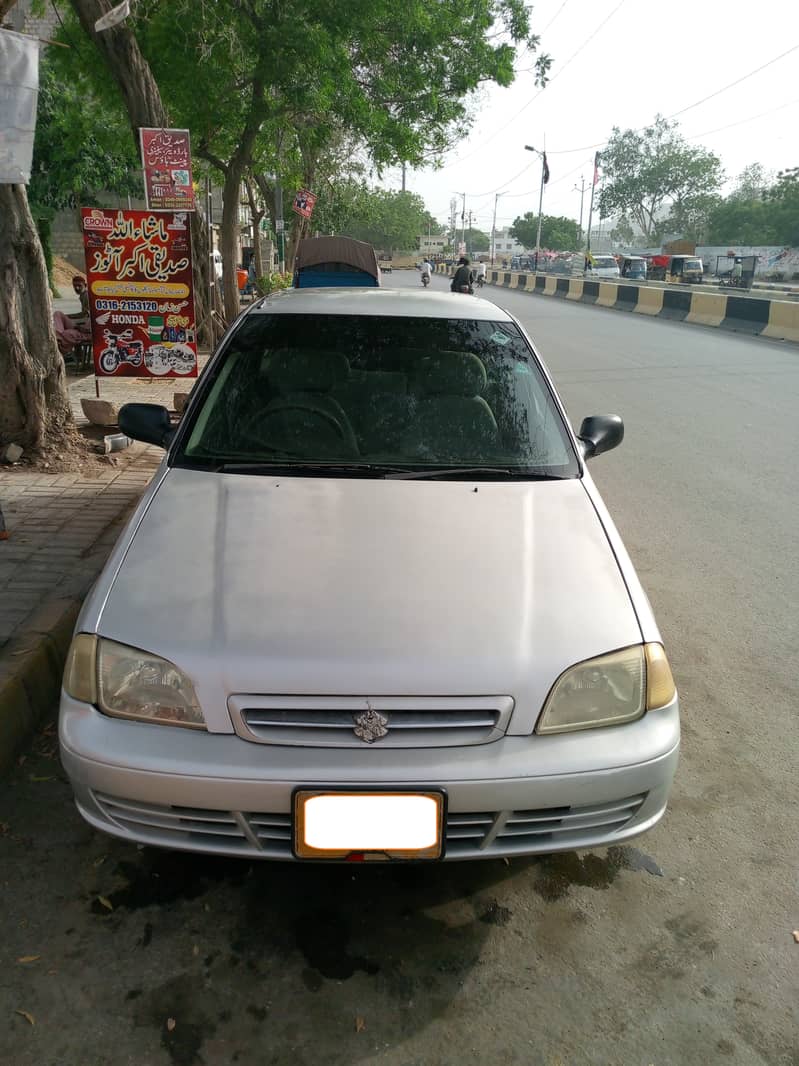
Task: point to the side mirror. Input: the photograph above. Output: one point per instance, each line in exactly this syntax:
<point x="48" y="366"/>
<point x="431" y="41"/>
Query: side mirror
<point x="148" y="422"/>
<point x="598" y="433"/>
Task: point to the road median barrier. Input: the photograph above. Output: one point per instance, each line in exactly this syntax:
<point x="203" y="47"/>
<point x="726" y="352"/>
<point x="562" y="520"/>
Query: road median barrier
<point x="778" y="319"/>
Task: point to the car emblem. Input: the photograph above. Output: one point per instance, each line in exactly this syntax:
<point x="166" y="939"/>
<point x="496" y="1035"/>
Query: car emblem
<point x="370" y="725"/>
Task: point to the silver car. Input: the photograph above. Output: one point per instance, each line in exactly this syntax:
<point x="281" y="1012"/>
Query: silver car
<point x="372" y="606"/>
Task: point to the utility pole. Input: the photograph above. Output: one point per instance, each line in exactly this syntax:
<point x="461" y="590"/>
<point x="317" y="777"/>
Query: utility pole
<point x="463" y="222"/>
<point x="403" y="177"/>
<point x="581" y="190"/>
<point x="544" y="180"/>
<point x="494" y="227"/>
<point x="591" y="208"/>
<point x="453" y="222"/>
<point x="470" y="245"/>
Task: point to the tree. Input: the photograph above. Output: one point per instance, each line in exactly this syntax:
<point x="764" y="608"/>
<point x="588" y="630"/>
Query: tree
<point x="752" y="183"/>
<point x="34" y="401"/>
<point x="652" y="173"/>
<point x="557" y="232"/>
<point x="783" y="200"/>
<point x="623" y="232"/>
<point x="476" y="240"/>
<point x="144" y="106"/>
<point x="387" y="219"/>
<point x="81" y="147"/>
<point x="396" y="77"/>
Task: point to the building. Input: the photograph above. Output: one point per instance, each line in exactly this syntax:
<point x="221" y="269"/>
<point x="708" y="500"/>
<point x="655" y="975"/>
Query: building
<point x="506" y="246"/>
<point x="431" y="243"/>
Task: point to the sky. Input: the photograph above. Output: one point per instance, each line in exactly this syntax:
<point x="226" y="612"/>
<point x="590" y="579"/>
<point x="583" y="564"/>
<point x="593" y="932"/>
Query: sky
<point x="621" y="62"/>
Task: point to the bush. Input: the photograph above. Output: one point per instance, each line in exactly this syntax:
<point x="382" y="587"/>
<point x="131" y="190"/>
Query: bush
<point x="272" y="282"/>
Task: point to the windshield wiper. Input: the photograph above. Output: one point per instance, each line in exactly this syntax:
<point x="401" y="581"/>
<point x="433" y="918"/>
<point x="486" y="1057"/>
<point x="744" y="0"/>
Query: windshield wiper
<point x="293" y="466"/>
<point x="490" y="472"/>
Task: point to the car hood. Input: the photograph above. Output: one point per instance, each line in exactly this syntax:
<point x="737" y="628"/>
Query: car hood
<point x="342" y="586"/>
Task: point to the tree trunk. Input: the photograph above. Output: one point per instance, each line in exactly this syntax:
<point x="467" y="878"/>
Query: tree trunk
<point x="256" y="214"/>
<point x="142" y="97"/>
<point x="34" y="401"/>
<point x="228" y="233"/>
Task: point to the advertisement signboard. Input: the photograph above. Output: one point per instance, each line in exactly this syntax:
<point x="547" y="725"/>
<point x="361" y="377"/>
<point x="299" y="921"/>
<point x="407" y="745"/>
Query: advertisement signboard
<point x="304" y="203"/>
<point x="166" y="159"/>
<point x="138" y="267"/>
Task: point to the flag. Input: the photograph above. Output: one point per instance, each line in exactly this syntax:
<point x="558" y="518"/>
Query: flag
<point x="113" y="17"/>
<point x="596" y="168"/>
<point x="545" y="174"/>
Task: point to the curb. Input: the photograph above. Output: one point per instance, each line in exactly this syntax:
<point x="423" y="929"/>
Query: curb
<point x="32" y="663"/>
<point x="776" y="319"/>
<point x="31" y="666"/>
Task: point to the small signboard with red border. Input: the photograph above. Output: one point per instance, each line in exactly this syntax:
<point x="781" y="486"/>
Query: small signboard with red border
<point x="304" y="203"/>
<point x="166" y="159"/>
<point x="141" y="301"/>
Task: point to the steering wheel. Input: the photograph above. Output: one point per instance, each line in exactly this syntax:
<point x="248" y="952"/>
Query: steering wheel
<point x="253" y="427"/>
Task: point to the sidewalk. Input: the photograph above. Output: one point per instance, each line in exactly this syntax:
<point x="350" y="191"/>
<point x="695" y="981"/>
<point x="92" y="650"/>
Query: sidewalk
<point x="61" y="529"/>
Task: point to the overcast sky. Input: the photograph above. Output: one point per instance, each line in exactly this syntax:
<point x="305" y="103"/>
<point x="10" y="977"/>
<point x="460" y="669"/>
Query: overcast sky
<point x="620" y="62"/>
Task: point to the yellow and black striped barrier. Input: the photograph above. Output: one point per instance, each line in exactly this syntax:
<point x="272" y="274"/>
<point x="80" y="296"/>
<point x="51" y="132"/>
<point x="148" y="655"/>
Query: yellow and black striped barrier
<point x="778" y="319"/>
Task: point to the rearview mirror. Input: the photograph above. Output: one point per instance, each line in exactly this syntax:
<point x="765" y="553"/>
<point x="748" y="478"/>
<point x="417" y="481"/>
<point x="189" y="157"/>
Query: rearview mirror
<point x="148" y="422"/>
<point x="600" y="433"/>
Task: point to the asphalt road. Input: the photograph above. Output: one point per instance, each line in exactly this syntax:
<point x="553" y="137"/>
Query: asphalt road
<point x="678" y="951"/>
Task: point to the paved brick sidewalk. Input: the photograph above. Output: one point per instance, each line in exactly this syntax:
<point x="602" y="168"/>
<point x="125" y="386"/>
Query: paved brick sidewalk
<point x="56" y="523"/>
<point x="62" y="526"/>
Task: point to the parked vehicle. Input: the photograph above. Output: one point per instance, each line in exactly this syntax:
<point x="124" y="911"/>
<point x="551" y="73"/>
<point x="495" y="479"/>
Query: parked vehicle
<point x="684" y="269"/>
<point x="601" y="266"/>
<point x="632" y="267"/>
<point x="335" y="261"/>
<point x="371" y="606"/>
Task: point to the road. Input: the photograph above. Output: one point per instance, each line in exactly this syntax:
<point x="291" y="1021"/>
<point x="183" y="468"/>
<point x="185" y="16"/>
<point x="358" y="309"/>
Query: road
<point x="678" y="951"/>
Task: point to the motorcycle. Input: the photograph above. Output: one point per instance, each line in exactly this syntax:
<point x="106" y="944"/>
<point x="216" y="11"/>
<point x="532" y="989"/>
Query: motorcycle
<point x="121" y="348"/>
<point x="481" y="280"/>
<point x="425" y="280"/>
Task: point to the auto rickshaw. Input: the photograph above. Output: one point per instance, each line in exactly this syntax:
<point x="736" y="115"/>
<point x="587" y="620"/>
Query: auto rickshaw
<point x="632" y="267"/>
<point x="322" y="262"/>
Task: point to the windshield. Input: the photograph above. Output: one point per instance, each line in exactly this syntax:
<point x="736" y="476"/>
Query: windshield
<point x="692" y="264"/>
<point x="404" y="393"/>
<point x="603" y="262"/>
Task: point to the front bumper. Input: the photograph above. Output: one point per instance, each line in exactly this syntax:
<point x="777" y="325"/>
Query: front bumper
<point x="216" y="793"/>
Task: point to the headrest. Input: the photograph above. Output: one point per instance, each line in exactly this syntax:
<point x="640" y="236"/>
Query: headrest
<point x="451" y="374"/>
<point x="303" y="370"/>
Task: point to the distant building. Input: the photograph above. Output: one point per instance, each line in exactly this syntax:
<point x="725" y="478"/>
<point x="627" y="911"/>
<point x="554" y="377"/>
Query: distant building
<point x="506" y="246"/>
<point x="431" y="244"/>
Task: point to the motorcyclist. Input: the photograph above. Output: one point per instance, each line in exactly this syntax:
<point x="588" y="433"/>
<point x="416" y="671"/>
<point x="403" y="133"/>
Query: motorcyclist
<point x="427" y="270"/>
<point x="481" y="274"/>
<point x="462" y="279"/>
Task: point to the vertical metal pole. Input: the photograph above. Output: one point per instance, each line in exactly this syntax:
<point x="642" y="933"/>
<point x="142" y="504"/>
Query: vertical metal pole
<point x="582" y="199"/>
<point x="494" y="228"/>
<point x="590" y="216"/>
<point x="540" y="207"/>
<point x="279" y="224"/>
<point x="403" y="177"/>
<point x="463" y="222"/>
<point x="209" y="218"/>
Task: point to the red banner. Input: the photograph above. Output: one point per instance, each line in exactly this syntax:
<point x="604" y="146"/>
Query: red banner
<point x="166" y="158"/>
<point x="138" y="266"/>
<point x="304" y="203"/>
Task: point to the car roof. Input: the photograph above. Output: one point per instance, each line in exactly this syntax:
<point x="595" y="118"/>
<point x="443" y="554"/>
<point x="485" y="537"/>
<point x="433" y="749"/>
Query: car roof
<point x="391" y="303"/>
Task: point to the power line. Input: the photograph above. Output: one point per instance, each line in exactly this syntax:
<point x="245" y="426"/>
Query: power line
<point x="742" y="121"/>
<point x="732" y="84"/>
<point x="533" y="99"/>
<point x="560" y="9"/>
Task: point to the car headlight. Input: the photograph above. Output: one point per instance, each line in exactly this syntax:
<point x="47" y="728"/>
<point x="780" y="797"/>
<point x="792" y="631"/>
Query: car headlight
<point x="130" y="683"/>
<point x="609" y="690"/>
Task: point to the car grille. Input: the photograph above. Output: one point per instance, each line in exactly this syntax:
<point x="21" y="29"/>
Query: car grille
<point x="411" y="722"/>
<point x="468" y="835"/>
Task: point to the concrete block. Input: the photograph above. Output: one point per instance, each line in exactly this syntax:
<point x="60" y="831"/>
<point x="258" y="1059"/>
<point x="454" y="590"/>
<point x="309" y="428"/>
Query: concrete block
<point x="100" y="412"/>
<point x="12" y="453"/>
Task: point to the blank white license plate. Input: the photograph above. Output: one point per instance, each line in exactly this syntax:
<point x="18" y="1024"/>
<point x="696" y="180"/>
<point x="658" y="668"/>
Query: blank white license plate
<point x="368" y="825"/>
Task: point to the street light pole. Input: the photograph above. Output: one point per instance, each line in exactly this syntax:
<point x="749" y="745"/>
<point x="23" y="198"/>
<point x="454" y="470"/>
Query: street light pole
<point x="494" y="228"/>
<point x="529" y="148"/>
<point x="581" y="190"/>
